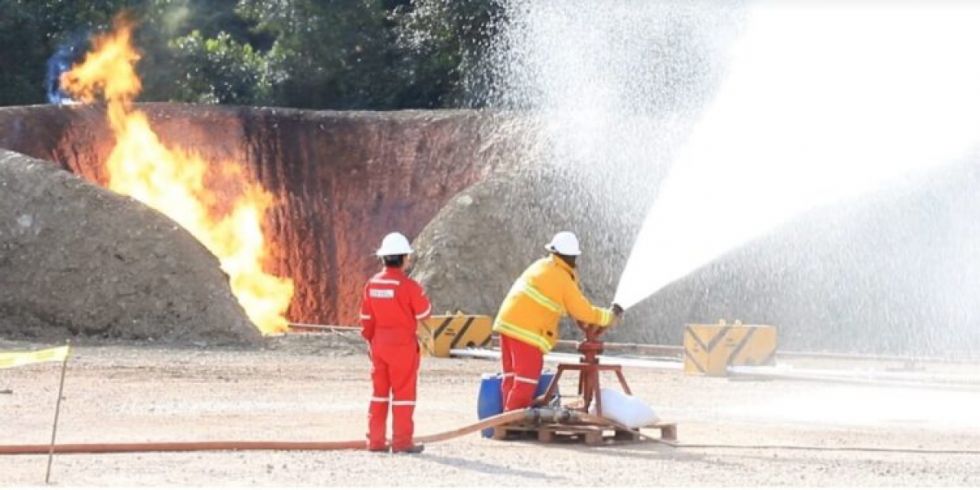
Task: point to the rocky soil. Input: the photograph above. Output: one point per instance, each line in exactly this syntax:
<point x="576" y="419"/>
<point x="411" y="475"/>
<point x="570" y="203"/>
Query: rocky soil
<point x="77" y="260"/>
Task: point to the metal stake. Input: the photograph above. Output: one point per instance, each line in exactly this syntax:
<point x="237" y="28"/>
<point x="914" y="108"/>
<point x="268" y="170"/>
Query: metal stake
<point x="57" y="410"/>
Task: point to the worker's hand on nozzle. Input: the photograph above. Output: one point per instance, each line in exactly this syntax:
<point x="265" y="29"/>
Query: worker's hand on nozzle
<point x="617" y="314"/>
<point x="617" y="310"/>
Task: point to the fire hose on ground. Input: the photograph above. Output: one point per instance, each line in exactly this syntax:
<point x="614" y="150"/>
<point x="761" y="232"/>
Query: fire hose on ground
<point x="531" y="415"/>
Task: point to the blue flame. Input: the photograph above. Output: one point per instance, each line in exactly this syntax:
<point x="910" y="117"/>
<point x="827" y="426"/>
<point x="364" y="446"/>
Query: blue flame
<point x="62" y="59"/>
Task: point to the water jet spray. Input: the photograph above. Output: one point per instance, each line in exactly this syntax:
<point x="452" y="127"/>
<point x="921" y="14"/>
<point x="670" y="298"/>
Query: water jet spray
<point x="804" y="120"/>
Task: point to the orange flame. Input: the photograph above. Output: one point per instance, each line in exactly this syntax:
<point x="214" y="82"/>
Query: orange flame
<point x="172" y="180"/>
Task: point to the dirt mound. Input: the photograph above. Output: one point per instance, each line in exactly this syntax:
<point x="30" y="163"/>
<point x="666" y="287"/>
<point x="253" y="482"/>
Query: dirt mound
<point x="471" y="253"/>
<point x="895" y="271"/>
<point x="892" y="272"/>
<point x="78" y="260"/>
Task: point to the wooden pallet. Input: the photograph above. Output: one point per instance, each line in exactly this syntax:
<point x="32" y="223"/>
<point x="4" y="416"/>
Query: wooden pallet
<point x="668" y="430"/>
<point x="592" y="435"/>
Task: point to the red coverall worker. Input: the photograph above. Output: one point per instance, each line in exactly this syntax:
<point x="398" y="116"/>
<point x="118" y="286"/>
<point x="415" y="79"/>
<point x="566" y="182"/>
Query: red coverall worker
<point x="391" y="307"/>
<point x="529" y="316"/>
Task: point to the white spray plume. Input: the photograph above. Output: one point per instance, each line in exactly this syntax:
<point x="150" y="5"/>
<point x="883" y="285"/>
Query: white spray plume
<point x="823" y="101"/>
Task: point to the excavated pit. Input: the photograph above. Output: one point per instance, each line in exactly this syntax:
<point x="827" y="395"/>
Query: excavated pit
<point x="893" y="272"/>
<point x="342" y="179"/>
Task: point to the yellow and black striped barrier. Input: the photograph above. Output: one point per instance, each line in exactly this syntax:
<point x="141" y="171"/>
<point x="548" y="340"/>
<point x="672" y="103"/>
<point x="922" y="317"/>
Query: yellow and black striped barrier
<point x="440" y="333"/>
<point x="710" y="349"/>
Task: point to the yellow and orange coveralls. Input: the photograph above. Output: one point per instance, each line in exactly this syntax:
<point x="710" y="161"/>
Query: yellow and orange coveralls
<point x="528" y="324"/>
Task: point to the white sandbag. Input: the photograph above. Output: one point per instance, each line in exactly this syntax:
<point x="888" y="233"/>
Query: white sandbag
<point x="625" y="409"/>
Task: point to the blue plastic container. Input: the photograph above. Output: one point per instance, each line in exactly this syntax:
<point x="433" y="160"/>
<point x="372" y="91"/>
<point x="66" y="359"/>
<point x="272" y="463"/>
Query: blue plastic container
<point x="490" y="399"/>
<point x="543" y="383"/>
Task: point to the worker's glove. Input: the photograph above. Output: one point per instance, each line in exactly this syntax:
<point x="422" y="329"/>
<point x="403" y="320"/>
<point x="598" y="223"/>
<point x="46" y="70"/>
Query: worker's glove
<point x="617" y="310"/>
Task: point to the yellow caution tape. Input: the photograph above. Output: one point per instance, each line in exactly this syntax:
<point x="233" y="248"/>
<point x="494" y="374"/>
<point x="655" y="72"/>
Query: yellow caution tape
<point x="14" y="359"/>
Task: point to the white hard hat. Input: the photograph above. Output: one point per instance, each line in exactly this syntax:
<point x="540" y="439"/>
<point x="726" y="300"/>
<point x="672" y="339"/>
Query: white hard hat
<point x="394" y="244"/>
<point x="564" y="243"/>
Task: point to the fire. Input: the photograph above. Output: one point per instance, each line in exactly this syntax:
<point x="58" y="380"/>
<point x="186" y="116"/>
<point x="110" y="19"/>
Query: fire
<point x="173" y="180"/>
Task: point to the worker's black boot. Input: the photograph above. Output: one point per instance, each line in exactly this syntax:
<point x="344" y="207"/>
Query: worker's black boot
<point x="413" y="449"/>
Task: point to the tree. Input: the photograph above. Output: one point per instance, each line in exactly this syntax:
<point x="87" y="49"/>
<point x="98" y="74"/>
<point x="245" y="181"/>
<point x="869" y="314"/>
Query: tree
<point x="200" y="51"/>
<point x="339" y="54"/>
<point x="446" y="43"/>
<point x="32" y="30"/>
<point x="220" y="70"/>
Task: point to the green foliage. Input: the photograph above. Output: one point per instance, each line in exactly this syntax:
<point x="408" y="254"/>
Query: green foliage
<point x="446" y="41"/>
<point x="337" y="53"/>
<point x="340" y="54"/>
<point x="220" y="70"/>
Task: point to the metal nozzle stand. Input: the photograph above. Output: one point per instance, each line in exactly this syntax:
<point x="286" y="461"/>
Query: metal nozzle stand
<point x="583" y="428"/>
<point x="589" y="370"/>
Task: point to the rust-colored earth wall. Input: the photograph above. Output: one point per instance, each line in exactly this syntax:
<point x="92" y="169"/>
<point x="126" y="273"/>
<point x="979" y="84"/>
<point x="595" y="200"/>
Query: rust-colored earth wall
<point x="341" y="180"/>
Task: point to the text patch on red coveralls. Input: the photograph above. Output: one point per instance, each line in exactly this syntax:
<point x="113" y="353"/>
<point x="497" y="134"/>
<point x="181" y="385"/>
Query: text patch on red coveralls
<point x="382" y="293"/>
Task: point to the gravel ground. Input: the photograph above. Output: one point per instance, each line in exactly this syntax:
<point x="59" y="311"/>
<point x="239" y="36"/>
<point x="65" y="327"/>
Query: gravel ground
<point x="316" y="388"/>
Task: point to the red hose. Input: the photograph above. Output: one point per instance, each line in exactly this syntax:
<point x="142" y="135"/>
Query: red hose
<point x="147" y="447"/>
<point x="560" y="416"/>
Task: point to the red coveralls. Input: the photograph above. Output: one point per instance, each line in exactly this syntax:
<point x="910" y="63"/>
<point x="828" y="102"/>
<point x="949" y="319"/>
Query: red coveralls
<point x="391" y="307"/>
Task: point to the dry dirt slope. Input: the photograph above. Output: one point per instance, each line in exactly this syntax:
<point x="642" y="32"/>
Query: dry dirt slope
<point x="78" y="260"/>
